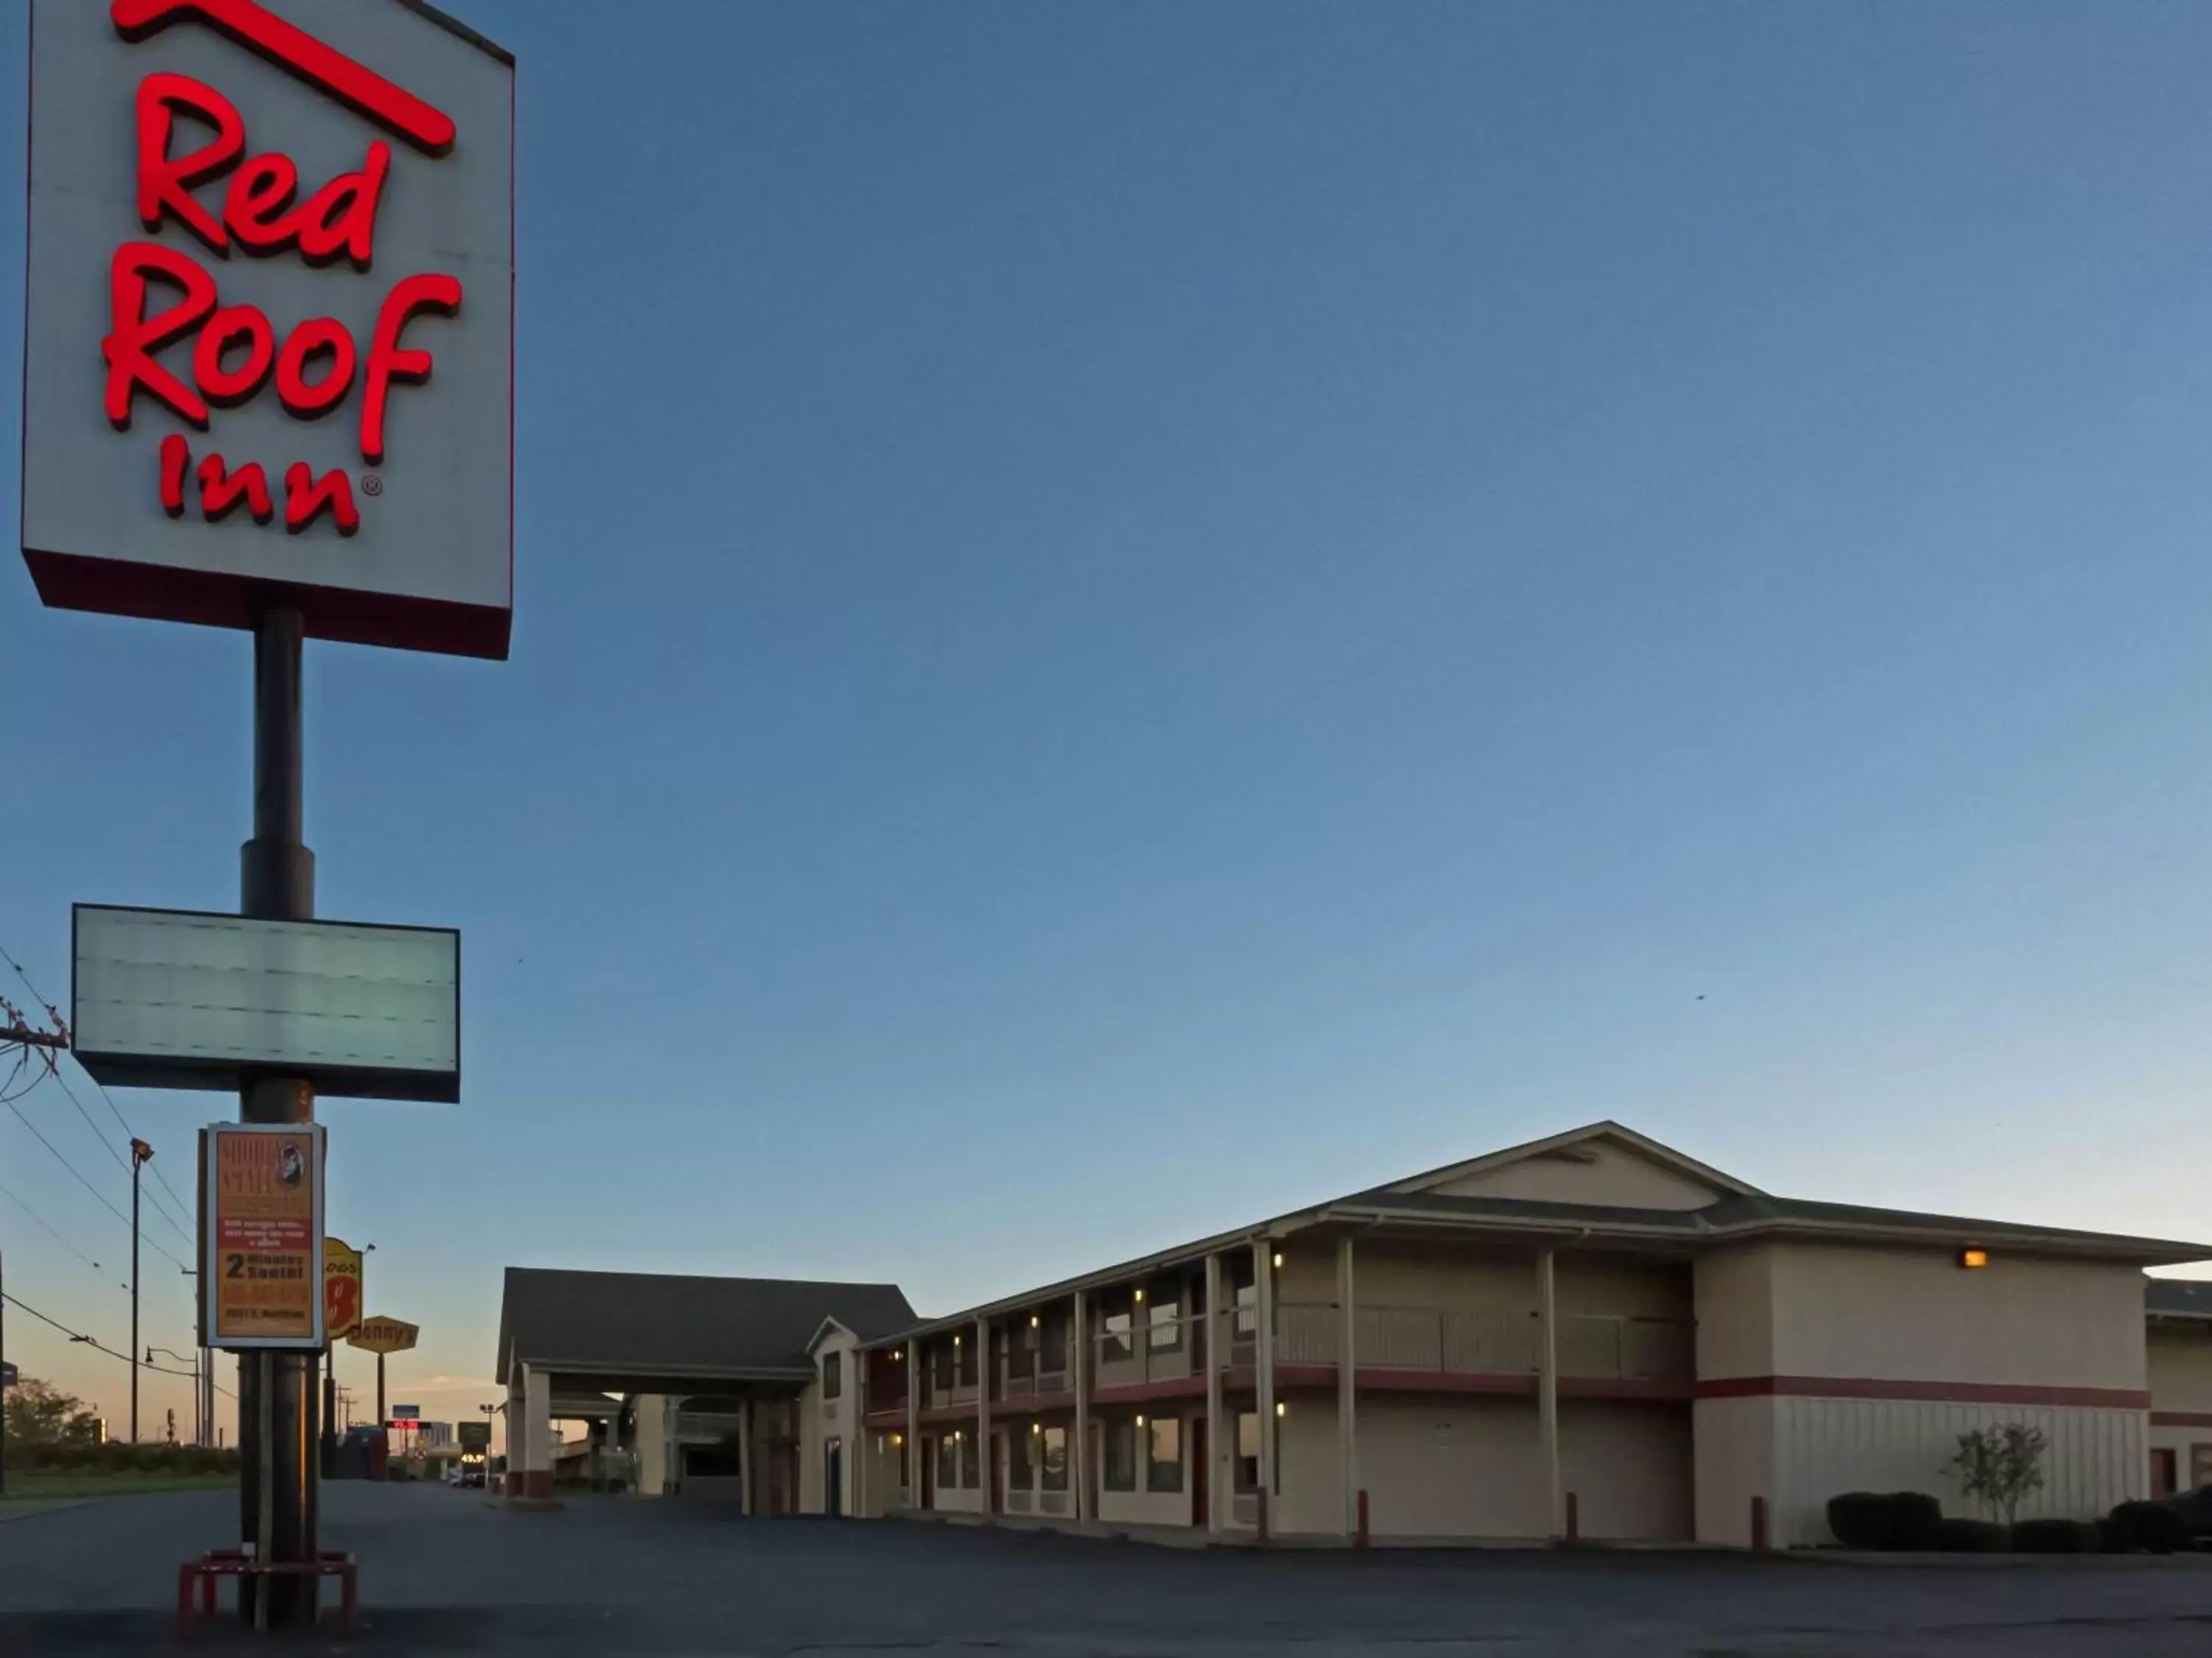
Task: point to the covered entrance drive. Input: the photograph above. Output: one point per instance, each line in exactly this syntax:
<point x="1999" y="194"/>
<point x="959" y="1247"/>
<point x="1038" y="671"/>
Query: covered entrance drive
<point x="694" y="1386"/>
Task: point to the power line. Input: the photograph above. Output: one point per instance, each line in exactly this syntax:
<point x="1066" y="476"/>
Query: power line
<point x="57" y="1236"/>
<point x="99" y="1346"/>
<point x="150" y="1243"/>
<point x="116" y="1111"/>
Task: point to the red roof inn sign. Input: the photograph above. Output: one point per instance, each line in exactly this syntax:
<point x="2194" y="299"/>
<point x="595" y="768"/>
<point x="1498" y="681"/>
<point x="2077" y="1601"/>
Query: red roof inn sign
<point x="269" y="328"/>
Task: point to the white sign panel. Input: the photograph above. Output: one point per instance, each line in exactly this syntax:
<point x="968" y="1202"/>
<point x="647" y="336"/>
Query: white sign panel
<point x="270" y="316"/>
<point x="173" y="999"/>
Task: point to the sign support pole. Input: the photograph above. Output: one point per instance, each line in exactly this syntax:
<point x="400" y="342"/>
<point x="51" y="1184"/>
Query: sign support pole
<point x="277" y="1404"/>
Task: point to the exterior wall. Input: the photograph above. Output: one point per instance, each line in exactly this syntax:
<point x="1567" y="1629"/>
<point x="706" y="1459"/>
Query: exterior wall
<point x="1629" y="1465"/>
<point x="2179" y="1362"/>
<point x="1399" y="1275"/>
<point x="1592" y="1174"/>
<point x="836" y="1418"/>
<point x="1735" y="1462"/>
<point x="1918" y="1315"/>
<point x="2180" y="1365"/>
<point x="883" y="1491"/>
<point x="1904" y="1339"/>
<point x="810" y="1449"/>
<point x="1312" y="1474"/>
<point x="1732" y="1291"/>
<point x="2097" y="1457"/>
<point x="1451" y="1468"/>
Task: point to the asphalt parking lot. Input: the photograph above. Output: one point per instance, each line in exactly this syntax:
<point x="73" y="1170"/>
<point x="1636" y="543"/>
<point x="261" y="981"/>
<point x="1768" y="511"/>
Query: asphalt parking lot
<point x="442" y="1572"/>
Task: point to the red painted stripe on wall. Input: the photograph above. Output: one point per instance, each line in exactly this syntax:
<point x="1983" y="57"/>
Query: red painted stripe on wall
<point x="1934" y="1392"/>
<point x="2181" y="1418"/>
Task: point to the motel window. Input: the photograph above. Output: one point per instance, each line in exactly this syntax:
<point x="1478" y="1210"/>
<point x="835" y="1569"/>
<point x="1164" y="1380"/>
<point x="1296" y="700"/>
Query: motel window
<point x="943" y="1367"/>
<point x="1162" y="1301"/>
<point x="1247" y="1311"/>
<point x="948" y="1463"/>
<point x="966" y="1353"/>
<point x="1055" y="1459"/>
<point x="971" y="1463"/>
<point x="1052" y="1342"/>
<point x="1119" y="1343"/>
<point x="833" y="1374"/>
<point x="1164" y="1454"/>
<point x="1122" y="1456"/>
<point x="1021" y="1458"/>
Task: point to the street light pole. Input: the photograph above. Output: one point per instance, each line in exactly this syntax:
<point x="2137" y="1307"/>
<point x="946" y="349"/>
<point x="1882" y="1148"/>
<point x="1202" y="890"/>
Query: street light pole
<point x="141" y="1154"/>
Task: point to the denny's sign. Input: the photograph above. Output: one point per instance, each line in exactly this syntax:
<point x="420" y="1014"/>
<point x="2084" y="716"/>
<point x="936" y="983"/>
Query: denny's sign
<point x="270" y="316"/>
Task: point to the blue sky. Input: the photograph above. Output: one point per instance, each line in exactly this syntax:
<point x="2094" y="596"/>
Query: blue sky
<point x="1130" y="616"/>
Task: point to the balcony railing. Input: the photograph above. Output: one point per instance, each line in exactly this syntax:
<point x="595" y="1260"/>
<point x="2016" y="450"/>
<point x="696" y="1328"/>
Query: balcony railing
<point x="1162" y="1349"/>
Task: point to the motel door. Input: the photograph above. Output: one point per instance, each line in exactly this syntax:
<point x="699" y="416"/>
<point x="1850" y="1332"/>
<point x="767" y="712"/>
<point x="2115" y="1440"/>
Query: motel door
<point x="833" y="1478"/>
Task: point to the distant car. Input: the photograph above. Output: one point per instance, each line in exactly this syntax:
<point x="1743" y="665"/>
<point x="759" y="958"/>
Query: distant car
<point x="2195" y="1508"/>
<point x="471" y="1479"/>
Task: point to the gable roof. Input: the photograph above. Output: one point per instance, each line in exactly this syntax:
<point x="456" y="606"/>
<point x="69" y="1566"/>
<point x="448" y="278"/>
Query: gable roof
<point x="1590" y="1135"/>
<point x="1743" y="1214"/>
<point x="657" y="1324"/>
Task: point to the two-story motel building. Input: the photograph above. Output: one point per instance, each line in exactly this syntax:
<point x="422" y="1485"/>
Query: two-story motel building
<point x="1590" y="1336"/>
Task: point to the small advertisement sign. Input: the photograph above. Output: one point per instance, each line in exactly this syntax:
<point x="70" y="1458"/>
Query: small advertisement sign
<point x="474" y="1436"/>
<point x="341" y="1289"/>
<point x="262" y="1234"/>
<point x="383" y="1335"/>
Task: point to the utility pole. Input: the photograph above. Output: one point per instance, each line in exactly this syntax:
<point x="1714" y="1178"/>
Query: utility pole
<point x="141" y="1154"/>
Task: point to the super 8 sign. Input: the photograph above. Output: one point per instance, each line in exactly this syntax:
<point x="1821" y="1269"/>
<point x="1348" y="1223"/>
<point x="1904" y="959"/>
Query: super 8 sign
<point x="269" y="317"/>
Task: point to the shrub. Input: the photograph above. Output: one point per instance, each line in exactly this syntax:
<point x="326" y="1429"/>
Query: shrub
<point x="1972" y="1537"/>
<point x="2056" y="1537"/>
<point x="1999" y="1466"/>
<point x="2147" y="1526"/>
<point x="1916" y="1521"/>
<point x="1861" y="1519"/>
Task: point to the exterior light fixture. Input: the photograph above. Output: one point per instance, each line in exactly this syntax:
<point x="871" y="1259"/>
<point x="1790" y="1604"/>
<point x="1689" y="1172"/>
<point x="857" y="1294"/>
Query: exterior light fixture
<point x="956" y="1341"/>
<point x="1973" y="1257"/>
<point x="1033" y="1320"/>
<point x="1281" y="1409"/>
<point x="899" y="1439"/>
<point x="1278" y="1260"/>
<point x="1140" y="1421"/>
<point x="1037" y="1427"/>
<point x="1140" y="1295"/>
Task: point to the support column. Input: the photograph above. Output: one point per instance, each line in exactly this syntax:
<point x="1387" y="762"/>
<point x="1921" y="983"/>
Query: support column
<point x="913" y="1425"/>
<point x="1263" y="1348"/>
<point x="277" y="1486"/>
<point x="536" y="1434"/>
<point x="1079" y="1454"/>
<point x="986" y="1469"/>
<point x="1347" y="1386"/>
<point x="746" y="1455"/>
<point x="1547" y="1395"/>
<point x="1219" y="1334"/>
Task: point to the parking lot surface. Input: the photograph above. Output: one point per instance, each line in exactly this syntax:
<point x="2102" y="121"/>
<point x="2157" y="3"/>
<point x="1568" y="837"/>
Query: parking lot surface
<point x="443" y="1571"/>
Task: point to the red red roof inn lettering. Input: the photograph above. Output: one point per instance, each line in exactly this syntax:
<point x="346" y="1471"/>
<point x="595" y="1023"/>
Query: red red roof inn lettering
<point x="254" y="298"/>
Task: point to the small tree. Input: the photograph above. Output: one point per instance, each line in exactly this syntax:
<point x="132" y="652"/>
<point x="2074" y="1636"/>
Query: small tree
<point x="1999" y="1466"/>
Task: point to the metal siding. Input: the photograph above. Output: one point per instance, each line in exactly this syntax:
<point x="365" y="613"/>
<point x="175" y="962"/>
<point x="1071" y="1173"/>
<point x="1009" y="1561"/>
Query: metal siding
<point x="1828" y="1446"/>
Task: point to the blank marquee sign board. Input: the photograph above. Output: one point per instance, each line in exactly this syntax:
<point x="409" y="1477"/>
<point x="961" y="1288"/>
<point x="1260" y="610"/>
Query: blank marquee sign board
<point x="173" y="999"/>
